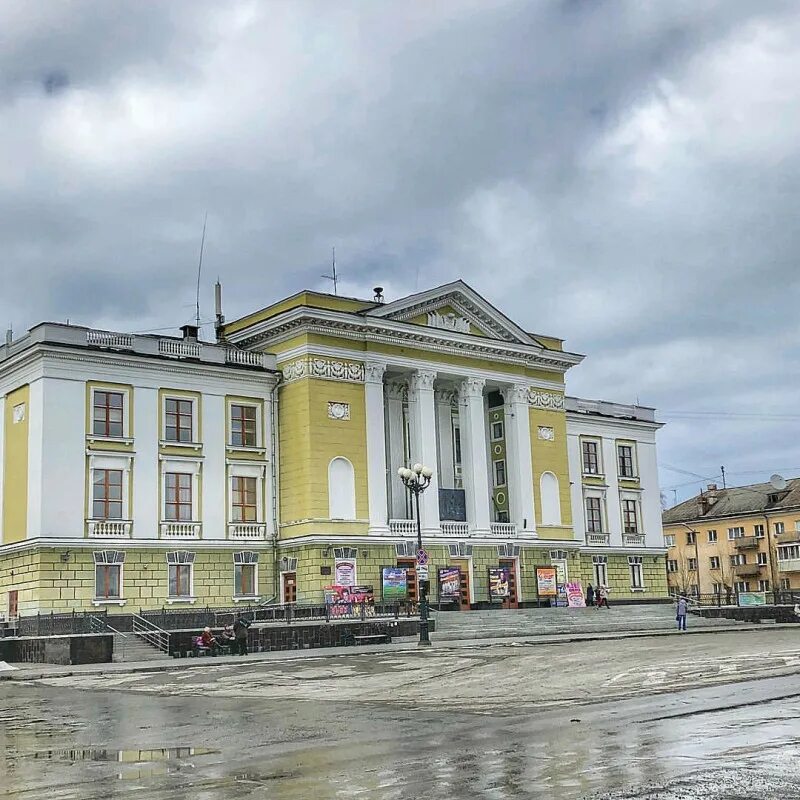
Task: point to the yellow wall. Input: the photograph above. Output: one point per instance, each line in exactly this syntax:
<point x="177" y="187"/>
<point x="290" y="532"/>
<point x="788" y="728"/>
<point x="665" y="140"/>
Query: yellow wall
<point x="551" y="457"/>
<point x="15" y="468"/>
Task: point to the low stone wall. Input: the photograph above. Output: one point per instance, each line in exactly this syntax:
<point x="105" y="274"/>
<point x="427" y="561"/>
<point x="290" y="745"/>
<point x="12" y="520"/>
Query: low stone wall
<point x="95" y="648"/>
<point x="305" y="635"/>
<point x="749" y="613"/>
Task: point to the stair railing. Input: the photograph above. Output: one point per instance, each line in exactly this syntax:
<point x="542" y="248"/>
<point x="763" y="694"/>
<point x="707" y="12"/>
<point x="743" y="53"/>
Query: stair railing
<point x="152" y="634"/>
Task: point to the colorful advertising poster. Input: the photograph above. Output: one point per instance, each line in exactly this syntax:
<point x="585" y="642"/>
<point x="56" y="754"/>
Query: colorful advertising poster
<point x="546" y="581"/>
<point x="498" y="583"/>
<point x="575" y="598"/>
<point x="346" y="601"/>
<point x="344" y="573"/>
<point x="752" y="599"/>
<point x="561" y="572"/>
<point x="449" y="583"/>
<point x="395" y="583"/>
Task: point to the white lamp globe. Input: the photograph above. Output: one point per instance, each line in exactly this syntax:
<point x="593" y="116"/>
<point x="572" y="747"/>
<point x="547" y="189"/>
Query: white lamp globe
<point x="427" y="472"/>
<point x="412" y="477"/>
<point x="417" y="468"/>
<point x="402" y="472"/>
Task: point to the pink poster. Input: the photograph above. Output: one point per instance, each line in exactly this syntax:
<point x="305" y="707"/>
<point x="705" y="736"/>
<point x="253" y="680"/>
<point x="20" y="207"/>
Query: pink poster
<point x="575" y="598"/>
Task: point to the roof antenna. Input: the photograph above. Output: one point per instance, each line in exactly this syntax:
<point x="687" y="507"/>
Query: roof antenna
<point x="199" y="268"/>
<point x="724" y="485"/>
<point x="333" y="277"/>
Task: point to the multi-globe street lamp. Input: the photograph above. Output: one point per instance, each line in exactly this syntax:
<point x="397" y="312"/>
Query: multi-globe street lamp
<point x="417" y="480"/>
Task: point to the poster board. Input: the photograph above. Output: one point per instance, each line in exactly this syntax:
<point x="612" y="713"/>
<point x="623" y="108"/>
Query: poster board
<point x="347" y="601"/>
<point x="449" y="583"/>
<point x="546" y="585"/>
<point x="344" y="572"/>
<point x="394" y="583"/>
<point x="575" y="597"/>
<point x="499" y="588"/>
<point x="752" y="598"/>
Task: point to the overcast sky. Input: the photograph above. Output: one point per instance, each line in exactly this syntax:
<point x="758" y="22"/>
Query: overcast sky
<point x="620" y="174"/>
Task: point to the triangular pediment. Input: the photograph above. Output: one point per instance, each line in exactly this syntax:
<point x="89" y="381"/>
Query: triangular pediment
<point x="454" y="307"/>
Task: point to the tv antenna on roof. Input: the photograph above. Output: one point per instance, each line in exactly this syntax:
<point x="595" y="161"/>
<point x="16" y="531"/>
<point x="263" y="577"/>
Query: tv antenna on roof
<point x="199" y="268"/>
<point x="333" y="277"/>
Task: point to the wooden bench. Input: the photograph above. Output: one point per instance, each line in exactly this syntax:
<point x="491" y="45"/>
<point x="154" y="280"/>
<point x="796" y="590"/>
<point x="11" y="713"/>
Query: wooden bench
<point x="374" y="638"/>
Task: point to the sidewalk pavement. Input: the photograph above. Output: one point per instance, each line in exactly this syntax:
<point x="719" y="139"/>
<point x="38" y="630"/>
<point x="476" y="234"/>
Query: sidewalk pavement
<point x="33" y="672"/>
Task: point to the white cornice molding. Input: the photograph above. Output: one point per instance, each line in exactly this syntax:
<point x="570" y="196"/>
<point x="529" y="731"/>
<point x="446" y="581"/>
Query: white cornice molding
<point x="113" y="543"/>
<point x="324" y="368"/>
<point x="414" y="363"/>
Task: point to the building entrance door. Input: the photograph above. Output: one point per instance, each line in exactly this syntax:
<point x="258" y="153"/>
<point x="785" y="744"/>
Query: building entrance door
<point x="289" y="587"/>
<point x="466" y="597"/>
<point x="512" y="601"/>
<point x="13" y="604"/>
<point x="410" y="566"/>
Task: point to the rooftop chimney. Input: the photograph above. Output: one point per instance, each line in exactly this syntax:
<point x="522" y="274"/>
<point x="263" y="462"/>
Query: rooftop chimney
<point x="9" y="336"/>
<point x="189" y="332"/>
<point x="378" y="294"/>
<point x="220" y="317"/>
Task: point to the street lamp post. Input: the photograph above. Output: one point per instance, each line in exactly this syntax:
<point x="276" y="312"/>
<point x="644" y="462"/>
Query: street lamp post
<point x="417" y="480"/>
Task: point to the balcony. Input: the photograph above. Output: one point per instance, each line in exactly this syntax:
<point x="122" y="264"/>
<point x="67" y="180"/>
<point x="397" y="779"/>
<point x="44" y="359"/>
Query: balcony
<point x="598" y="539"/>
<point x="451" y="528"/>
<point x="745" y="570"/>
<point x="403" y="527"/>
<point x="247" y="530"/>
<point x="109" y="529"/>
<point x="505" y="529"/>
<point x="180" y="530"/>
<point x="633" y="539"/>
<point x="747" y="543"/>
<point x="245" y="358"/>
<point x="789" y="564"/>
<point x="177" y="348"/>
<point x="789" y="537"/>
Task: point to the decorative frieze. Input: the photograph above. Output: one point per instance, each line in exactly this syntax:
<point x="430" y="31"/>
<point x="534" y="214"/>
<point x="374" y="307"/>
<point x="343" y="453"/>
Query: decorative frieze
<point x="325" y="368"/>
<point x="546" y="434"/>
<point x="548" y="400"/>
<point x="449" y="322"/>
<point x="340" y="411"/>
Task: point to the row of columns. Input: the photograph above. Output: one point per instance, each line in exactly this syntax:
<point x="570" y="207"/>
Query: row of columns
<point x="475" y="461"/>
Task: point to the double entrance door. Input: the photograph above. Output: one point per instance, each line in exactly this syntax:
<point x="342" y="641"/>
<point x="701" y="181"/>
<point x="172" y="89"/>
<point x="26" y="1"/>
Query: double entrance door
<point x="512" y="601"/>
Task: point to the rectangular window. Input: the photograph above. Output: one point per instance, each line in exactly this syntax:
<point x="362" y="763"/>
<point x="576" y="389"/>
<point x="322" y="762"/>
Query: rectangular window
<point x="625" y="460"/>
<point x="735" y="533"/>
<point x="107" y="583"/>
<point x="742" y="586"/>
<point x="761" y="559"/>
<point x="107" y="411"/>
<point x="713" y="562"/>
<point x="763" y="586"/>
<point x="178" y="422"/>
<point x="758" y="531"/>
<point x="691" y="537"/>
<point x="669" y="540"/>
<point x="245" y="579"/>
<point x="499" y="473"/>
<point x="635" y="564"/>
<point x="594" y="515"/>
<point x="243" y="426"/>
<point x="630" y="519"/>
<point x="785" y="583"/>
<point x="779" y="527"/>
<point x="178" y="505"/>
<point x="244" y="499"/>
<point x="738" y="560"/>
<point x="180" y="580"/>
<point x="693" y="565"/>
<point x="716" y="588"/>
<point x="497" y="431"/>
<point x="672" y="565"/>
<point x="591" y="461"/>
<point x="712" y="536"/>
<point x="107" y="494"/>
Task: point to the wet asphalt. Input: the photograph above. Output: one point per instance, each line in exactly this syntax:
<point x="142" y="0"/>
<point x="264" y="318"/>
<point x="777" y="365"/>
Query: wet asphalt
<point x="725" y="741"/>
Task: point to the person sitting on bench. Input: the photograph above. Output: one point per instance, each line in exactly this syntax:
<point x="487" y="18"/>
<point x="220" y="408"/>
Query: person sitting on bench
<point x="207" y="641"/>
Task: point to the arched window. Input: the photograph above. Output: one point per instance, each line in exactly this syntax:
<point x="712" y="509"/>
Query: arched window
<point x="341" y="489"/>
<point x="551" y="502"/>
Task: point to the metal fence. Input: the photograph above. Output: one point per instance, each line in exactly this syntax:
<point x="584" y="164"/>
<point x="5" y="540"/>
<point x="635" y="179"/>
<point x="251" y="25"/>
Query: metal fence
<point x="778" y="598"/>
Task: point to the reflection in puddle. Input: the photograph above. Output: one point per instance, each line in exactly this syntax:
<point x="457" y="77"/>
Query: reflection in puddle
<point x="122" y="756"/>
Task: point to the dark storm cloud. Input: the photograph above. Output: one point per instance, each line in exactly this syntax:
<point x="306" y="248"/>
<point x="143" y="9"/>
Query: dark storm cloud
<point x="620" y="174"/>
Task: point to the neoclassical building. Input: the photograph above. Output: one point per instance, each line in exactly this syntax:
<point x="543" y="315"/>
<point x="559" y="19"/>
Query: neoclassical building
<point x="143" y="471"/>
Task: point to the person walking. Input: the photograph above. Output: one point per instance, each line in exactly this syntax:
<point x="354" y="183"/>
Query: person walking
<point x="680" y="616"/>
<point x="240" y="633"/>
<point x="602" y="593"/>
<point x="590" y="595"/>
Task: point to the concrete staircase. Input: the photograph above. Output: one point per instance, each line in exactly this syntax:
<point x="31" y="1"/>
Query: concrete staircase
<point x="130" y="647"/>
<point x="529" y="623"/>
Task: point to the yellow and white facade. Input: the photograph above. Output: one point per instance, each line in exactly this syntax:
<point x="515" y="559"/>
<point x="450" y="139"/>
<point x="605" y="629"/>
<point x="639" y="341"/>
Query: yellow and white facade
<point x="142" y="471"/>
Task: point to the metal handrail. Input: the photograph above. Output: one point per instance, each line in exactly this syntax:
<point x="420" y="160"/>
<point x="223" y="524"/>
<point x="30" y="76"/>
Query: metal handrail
<point x="151" y="633"/>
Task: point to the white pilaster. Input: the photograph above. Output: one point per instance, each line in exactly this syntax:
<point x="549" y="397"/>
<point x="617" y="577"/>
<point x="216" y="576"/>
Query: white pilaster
<point x="444" y="419"/>
<point x="395" y="396"/>
<point x="215" y="478"/>
<point x="35" y="414"/>
<point x="376" y="446"/>
<point x="146" y="468"/>
<point x="2" y="459"/>
<point x="476" y="461"/>
<point x="423" y="410"/>
<point x="519" y="465"/>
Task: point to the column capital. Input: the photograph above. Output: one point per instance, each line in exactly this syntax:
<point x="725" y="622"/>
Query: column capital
<point x="447" y="396"/>
<point x="517" y="393"/>
<point x="471" y="387"/>
<point x="422" y="379"/>
<point x="374" y="371"/>
<point x="396" y="390"/>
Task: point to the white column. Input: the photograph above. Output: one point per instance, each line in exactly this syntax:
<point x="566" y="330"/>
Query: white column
<point x="395" y="396"/>
<point x="423" y="410"/>
<point x="519" y="467"/>
<point x="146" y="466"/>
<point x="376" y="447"/>
<point x="444" y="418"/>
<point x="215" y="473"/>
<point x="476" y="460"/>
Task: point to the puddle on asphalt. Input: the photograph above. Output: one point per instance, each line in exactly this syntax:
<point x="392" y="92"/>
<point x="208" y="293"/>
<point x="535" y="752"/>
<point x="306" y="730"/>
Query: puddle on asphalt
<point x="120" y="756"/>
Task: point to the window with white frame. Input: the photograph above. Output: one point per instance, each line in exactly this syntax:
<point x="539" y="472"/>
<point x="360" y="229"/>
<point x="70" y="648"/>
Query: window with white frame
<point x="763" y="586"/>
<point x="691" y="537"/>
<point x="713" y="562"/>
<point x="742" y="586"/>
<point x="758" y="531"/>
<point x="590" y="454"/>
<point x="779" y="527"/>
<point x="669" y="540"/>
<point x="735" y="533"/>
<point x="761" y="559"/>
<point x="180" y="569"/>
<point x="635" y="566"/>
<point x="630" y="516"/>
<point x="245" y="493"/>
<point x="738" y="560"/>
<point x="786" y="583"/>
<point x="245" y="574"/>
<point x="497" y="431"/>
<point x="109" y="480"/>
<point x="716" y="588"/>
<point x="180" y="420"/>
<point x="672" y="565"/>
<point x="244" y="425"/>
<point x="180" y="486"/>
<point x="594" y="514"/>
<point x="109" y="413"/>
<point x="790" y="552"/>
<point x="600" y="569"/>
<point x="692" y="563"/>
<point x="108" y="574"/>
<point x="712" y="537"/>
<point x="499" y="472"/>
<point x="626" y="460"/>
